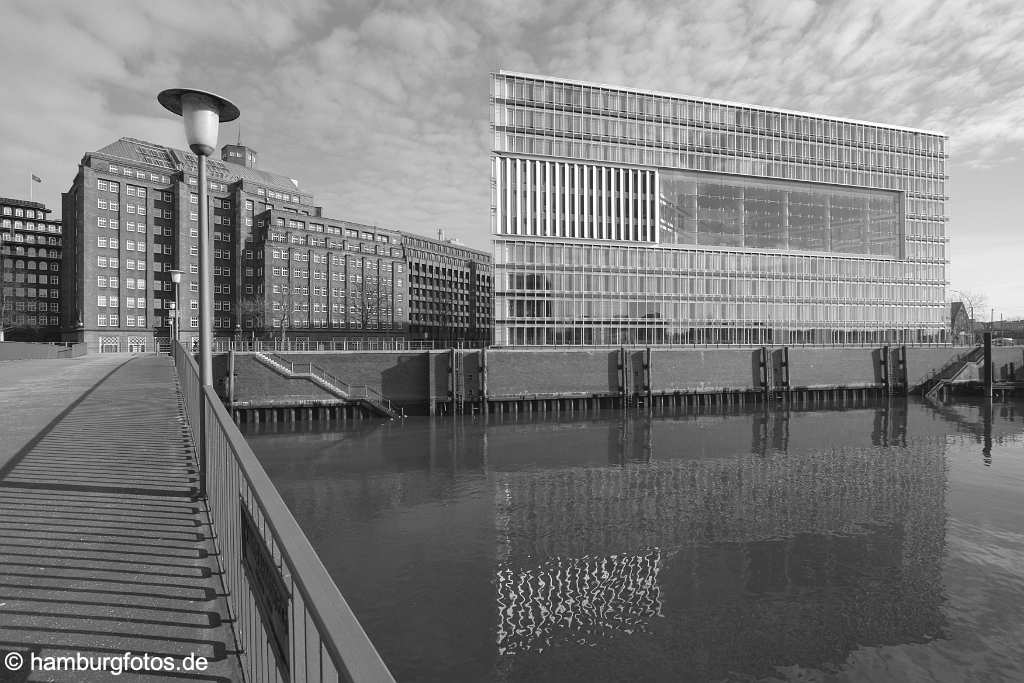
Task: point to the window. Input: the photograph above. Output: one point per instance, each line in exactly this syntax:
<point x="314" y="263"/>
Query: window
<point x="193" y="304"/>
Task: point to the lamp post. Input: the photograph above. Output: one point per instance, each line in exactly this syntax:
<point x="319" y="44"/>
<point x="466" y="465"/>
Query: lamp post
<point x="202" y="113"/>
<point x="175" y="317"/>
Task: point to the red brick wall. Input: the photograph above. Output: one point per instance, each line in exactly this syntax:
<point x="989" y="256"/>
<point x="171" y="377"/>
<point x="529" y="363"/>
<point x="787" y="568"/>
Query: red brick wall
<point x="514" y="373"/>
<point x="704" y="369"/>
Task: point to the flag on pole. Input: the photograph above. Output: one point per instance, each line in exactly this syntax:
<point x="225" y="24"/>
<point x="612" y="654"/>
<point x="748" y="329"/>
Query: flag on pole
<point x="36" y="178"/>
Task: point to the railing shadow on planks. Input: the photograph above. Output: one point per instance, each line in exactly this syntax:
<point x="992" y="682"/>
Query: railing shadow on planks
<point x="290" y="620"/>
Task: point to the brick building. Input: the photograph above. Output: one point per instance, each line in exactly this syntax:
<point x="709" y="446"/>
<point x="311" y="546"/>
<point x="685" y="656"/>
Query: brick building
<point x="450" y="291"/>
<point x="131" y="216"/>
<point x="31" y="243"/>
<point x="323" y="279"/>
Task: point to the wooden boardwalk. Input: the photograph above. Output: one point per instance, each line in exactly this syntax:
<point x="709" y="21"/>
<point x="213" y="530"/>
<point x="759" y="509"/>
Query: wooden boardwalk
<point x="103" y="549"/>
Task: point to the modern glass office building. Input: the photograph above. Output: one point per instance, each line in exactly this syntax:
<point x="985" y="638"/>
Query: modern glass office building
<point x="624" y="216"/>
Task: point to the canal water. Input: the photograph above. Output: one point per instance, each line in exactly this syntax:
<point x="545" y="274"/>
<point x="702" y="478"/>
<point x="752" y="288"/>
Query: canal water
<point x="871" y="542"/>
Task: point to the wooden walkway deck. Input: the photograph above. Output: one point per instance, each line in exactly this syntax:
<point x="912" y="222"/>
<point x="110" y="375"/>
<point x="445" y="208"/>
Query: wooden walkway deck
<point x="103" y="549"/>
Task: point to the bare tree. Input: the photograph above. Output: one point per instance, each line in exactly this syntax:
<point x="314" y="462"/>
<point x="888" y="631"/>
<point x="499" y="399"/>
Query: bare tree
<point x="6" y="312"/>
<point x="251" y="309"/>
<point x="973" y="301"/>
<point x="284" y="304"/>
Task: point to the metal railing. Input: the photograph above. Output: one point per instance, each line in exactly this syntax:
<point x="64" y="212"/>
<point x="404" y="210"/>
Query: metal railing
<point x="935" y="379"/>
<point x="357" y="392"/>
<point x="371" y="344"/>
<point x="290" y="620"/>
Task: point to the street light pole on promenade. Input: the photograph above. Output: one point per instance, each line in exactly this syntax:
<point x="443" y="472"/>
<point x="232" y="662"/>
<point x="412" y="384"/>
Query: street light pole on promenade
<point x="202" y="113"/>
<point x="175" y="318"/>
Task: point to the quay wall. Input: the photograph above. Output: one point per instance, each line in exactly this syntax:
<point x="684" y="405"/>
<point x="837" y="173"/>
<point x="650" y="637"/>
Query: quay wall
<point x="421" y="378"/>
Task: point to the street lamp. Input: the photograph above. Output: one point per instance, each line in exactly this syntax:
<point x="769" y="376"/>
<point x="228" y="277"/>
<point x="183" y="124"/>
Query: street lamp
<point x="202" y="113"/>
<point x="175" y="319"/>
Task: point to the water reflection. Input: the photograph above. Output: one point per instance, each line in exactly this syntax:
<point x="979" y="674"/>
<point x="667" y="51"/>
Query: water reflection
<point x="694" y="546"/>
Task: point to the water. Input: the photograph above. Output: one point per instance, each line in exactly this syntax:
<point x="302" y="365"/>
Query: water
<point x="879" y="543"/>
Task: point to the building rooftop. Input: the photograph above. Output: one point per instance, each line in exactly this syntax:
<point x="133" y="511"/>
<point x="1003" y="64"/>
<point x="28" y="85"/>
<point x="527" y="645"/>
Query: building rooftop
<point x="171" y="159"/>
<point x="25" y="204"/>
<point x="677" y="96"/>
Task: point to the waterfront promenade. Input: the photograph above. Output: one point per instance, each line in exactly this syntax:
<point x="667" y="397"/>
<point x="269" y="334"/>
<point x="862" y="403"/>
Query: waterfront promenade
<point x="103" y="549"/>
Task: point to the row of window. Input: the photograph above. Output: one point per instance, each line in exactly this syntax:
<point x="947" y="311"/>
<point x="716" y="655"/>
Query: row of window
<point x="113" y="302"/>
<point x="668" y="312"/>
<point x="31" y="279"/>
<point x="23" y="213"/>
<point x="34" y="305"/>
<point x="32" y="292"/>
<point x="114" y="262"/>
<point x="713" y="262"/>
<point x="32" y="265"/>
<point x="668" y="108"/>
<point x="716" y="162"/>
<point x="114" y="243"/>
<point x="113" y="320"/>
<point x="611" y="333"/>
<point x="141" y="175"/>
<point x="551" y="123"/>
<point x="32" y="320"/>
<point x="38" y="227"/>
<point x="114" y="281"/>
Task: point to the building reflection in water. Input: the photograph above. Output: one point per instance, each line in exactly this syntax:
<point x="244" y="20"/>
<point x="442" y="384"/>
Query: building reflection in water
<point x="796" y="551"/>
<point x="581" y="598"/>
<point x="690" y="546"/>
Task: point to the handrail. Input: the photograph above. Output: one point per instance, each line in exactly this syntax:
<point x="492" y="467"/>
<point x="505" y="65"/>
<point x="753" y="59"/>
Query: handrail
<point x="337" y="647"/>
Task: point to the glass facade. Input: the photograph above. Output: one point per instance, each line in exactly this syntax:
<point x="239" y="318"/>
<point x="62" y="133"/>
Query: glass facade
<point x="628" y="217"/>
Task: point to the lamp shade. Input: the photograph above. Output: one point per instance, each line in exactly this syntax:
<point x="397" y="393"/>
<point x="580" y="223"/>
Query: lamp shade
<point x="202" y="112"/>
<point x="175" y="276"/>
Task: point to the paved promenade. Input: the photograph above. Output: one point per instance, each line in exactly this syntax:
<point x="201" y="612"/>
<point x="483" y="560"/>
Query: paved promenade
<point x="102" y="549"/>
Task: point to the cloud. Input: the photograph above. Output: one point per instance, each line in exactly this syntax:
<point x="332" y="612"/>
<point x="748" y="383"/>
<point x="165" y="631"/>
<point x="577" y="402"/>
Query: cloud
<point x="382" y="111"/>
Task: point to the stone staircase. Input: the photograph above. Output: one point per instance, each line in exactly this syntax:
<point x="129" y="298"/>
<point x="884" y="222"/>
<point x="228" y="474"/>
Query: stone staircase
<point x="364" y="395"/>
<point x="947" y="374"/>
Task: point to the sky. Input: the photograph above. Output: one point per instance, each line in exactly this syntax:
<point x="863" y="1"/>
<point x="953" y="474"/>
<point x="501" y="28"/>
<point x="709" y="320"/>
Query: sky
<point x="381" y="109"/>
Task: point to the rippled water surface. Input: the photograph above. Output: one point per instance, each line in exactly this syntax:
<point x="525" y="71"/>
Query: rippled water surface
<point x="881" y="542"/>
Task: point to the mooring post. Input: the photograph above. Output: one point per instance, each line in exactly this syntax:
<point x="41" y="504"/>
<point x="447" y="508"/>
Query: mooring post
<point x="431" y="402"/>
<point x="786" y="384"/>
<point x="648" y="363"/>
<point x="451" y="379"/>
<point x="483" y="380"/>
<point x="622" y="375"/>
<point x="989" y="374"/>
<point x="884" y="366"/>
<point x="765" y="371"/>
